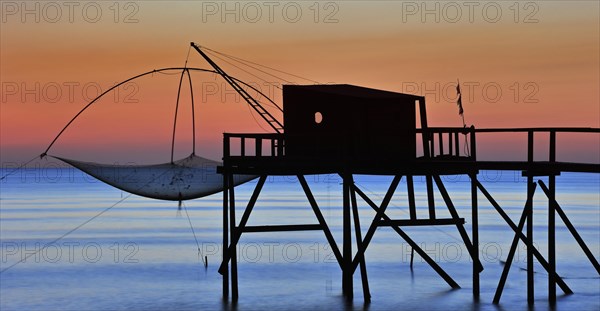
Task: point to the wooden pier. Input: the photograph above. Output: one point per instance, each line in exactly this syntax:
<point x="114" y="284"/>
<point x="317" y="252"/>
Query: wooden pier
<point x="443" y="153"/>
<point x="347" y="130"/>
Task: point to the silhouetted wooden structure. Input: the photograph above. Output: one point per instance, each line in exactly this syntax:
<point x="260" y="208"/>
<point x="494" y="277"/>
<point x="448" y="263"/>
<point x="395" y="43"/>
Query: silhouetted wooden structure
<point x="350" y="123"/>
<point x="348" y="130"/>
<point x="441" y="155"/>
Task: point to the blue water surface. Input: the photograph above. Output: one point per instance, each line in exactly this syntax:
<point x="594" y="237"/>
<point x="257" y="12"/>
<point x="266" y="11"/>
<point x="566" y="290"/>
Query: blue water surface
<point x="69" y="242"/>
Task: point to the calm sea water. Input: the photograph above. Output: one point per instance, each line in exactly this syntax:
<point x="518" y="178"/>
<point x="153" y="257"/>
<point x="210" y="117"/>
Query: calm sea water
<point x="141" y="254"/>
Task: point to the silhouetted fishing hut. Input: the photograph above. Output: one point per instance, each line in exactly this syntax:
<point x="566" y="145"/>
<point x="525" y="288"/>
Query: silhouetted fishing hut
<point x="358" y="125"/>
<point x="348" y="130"/>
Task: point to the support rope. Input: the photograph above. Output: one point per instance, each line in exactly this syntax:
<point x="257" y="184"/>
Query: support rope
<point x="175" y="118"/>
<point x="194" y="233"/>
<point x="193" y="113"/>
<point x="112" y="88"/>
<point x="257" y="64"/>
<point x="256" y="120"/>
<point x="151" y="72"/>
<point x="23" y="259"/>
<point x="20" y="167"/>
<point x="244" y="70"/>
<point x="245" y="64"/>
<point x="66" y="234"/>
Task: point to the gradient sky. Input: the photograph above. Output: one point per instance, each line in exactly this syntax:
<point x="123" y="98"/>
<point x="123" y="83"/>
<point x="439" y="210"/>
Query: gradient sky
<point x="542" y="56"/>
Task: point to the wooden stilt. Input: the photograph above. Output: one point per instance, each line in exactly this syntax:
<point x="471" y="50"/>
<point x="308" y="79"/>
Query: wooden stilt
<point x="514" y="244"/>
<point x="427" y="259"/>
<point x="530" y="272"/>
<point x="412" y="207"/>
<point x="235" y="238"/>
<point x="561" y="283"/>
<point x="410" y="187"/>
<point x="347" y="271"/>
<point x="552" y="225"/>
<point x="358" y="235"/>
<point x="225" y="271"/>
<point x="459" y="226"/>
<point x="572" y="229"/>
<point x="321" y="219"/>
<point x="475" y="235"/>
<point x="530" y="187"/>
<point x="233" y="252"/>
<point x="412" y="243"/>
<point x="380" y="212"/>
<point x="430" y="198"/>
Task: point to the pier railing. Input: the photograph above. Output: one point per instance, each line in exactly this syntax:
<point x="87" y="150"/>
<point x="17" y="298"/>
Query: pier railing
<point x="438" y="143"/>
<point x="435" y="146"/>
<point x="551" y="133"/>
<point x="253" y="145"/>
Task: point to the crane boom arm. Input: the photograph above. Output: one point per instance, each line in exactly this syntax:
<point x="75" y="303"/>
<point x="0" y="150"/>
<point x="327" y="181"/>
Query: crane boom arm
<point x="265" y="114"/>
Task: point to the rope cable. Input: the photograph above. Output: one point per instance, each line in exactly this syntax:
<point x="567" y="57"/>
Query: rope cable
<point x="20" y="167"/>
<point x="250" y="86"/>
<point x="151" y="72"/>
<point x="168" y="74"/>
<point x="194" y="233"/>
<point x="161" y="71"/>
<point x="175" y="118"/>
<point x="246" y="71"/>
<point x="255" y="68"/>
<point x="255" y="120"/>
<point x="23" y="259"/>
<point x="109" y="90"/>
<point x="243" y="60"/>
<point x="259" y="92"/>
<point x="193" y="113"/>
<point x="188" y="55"/>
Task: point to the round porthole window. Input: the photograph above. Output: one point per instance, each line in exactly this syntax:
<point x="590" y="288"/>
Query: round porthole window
<point x="318" y="117"/>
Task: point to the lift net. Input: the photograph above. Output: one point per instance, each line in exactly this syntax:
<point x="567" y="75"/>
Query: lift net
<point x="189" y="178"/>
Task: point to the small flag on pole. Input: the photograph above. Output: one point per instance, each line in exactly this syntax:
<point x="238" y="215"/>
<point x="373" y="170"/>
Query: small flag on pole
<point x="459" y="100"/>
<point x="459" y="103"/>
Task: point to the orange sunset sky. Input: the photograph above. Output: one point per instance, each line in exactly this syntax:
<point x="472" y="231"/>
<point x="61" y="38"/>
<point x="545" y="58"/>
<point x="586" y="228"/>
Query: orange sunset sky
<point x="520" y="65"/>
